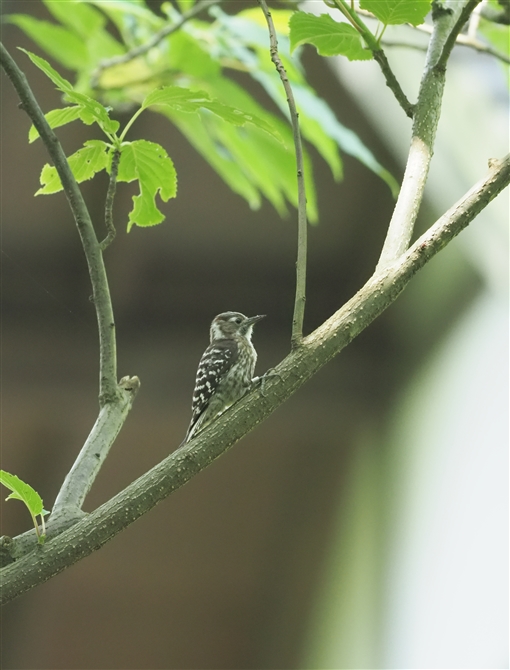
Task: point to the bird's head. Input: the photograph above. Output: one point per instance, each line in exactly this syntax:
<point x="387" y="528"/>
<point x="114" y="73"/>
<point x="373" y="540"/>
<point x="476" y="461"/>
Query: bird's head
<point x="228" y="324"/>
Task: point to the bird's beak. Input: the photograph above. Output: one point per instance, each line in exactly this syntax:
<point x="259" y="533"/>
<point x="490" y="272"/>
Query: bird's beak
<point x="253" y="319"/>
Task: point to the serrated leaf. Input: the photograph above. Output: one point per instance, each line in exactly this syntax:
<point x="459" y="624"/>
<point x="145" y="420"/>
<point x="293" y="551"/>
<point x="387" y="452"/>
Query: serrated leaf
<point x="59" y="42"/>
<point x="55" y="119"/>
<point x="96" y="111"/>
<point x="85" y="163"/>
<point x="148" y="163"/>
<point x="43" y="65"/>
<point x="22" y="491"/>
<point x="184" y="100"/>
<point x="328" y="36"/>
<point x="396" y="12"/>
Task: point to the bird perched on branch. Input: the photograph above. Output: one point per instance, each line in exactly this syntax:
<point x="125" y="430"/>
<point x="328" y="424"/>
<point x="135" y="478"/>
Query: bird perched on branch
<point x="225" y="371"/>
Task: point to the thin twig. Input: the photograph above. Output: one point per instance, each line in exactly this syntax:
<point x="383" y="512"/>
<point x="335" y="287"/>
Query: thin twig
<point x="98" y="278"/>
<point x="110" y="195"/>
<point x="426" y="118"/>
<point x="378" y="54"/>
<point x="466" y="12"/>
<point x="154" y="41"/>
<point x="317" y="349"/>
<point x="462" y="40"/>
<point x="473" y="43"/>
<point x="300" y="299"/>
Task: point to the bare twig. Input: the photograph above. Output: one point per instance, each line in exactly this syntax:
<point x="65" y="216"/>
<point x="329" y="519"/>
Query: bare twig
<point x="154" y="41"/>
<point x="101" y="293"/>
<point x="110" y="195"/>
<point x="473" y="43"/>
<point x="317" y="349"/>
<point x="462" y="40"/>
<point x="300" y="299"/>
<point x="447" y="23"/>
<point x="378" y="54"/>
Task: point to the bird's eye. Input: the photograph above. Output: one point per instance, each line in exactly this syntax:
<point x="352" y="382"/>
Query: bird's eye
<point x="238" y="319"/>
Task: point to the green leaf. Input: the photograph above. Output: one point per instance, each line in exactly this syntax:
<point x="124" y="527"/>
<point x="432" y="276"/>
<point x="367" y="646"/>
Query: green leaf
<point x="55" y="119"/>
<point x="84" y="165"/>
<point x="80" y="18"/>
<point x="148" y="163"/>
<point x="92" y="110"/>
<point x="184" y="100"/>
<point x="395" y="12"/>
<point x="329" y="37"/>
<point x="59" y="81"/>
<point x="60" y="43"/>
<point x="22" y="491"/>
<point x="205" y="142"/>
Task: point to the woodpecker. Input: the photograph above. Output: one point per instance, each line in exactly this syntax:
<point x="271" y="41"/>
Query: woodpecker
<point x="225" y="371"/>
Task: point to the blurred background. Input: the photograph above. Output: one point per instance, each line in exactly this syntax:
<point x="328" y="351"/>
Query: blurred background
<point x="365" y="523"/>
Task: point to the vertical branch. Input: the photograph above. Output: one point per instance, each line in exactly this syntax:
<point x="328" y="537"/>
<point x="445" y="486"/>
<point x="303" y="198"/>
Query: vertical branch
<point x="299" y="302"/>
<point x="101" y="293"/>
<point x="110" y="195"/>
<point x="448" y="21"/>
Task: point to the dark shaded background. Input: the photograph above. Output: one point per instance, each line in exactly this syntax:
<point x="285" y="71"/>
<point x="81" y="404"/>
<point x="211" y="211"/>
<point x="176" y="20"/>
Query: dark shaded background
<point x="222" y="574"/>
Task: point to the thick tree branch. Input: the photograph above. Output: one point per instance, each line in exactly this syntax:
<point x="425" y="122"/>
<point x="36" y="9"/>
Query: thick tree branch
<point x="300" y="299"/>
<point x="317" y="349"/>
<point x="100" y="291"/>
<point x="447" y="23"/>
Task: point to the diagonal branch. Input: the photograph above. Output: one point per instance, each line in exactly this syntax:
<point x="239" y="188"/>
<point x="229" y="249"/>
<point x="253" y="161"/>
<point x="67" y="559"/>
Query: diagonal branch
<point x="154" y="41"/>
<point x="97" y="271"/>
<point x="317" y="349"/>
<point x="300" y="299"/>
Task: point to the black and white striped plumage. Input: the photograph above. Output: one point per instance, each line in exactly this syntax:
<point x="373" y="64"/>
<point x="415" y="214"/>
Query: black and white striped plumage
<point x="225" y="371"/>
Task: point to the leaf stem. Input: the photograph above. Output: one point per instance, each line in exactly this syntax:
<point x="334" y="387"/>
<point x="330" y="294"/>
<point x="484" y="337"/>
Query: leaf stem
<point x="300" y="297"/>
<point x="100" y="290"/>
<point x="379" y="56"/>
<point x="447" y="23"/>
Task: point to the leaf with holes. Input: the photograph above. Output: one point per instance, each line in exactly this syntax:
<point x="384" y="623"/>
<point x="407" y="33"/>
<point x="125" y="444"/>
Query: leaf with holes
<point x="148" y="163"/>
<point x="84" y="165"/>
<point x="92" y="110"/>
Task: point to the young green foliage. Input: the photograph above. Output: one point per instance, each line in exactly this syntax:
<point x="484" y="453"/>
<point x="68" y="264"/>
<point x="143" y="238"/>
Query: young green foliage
<point x="148" y="163"/>
<point x="333" y="38"/>
<point x="397" y="12"/>
<point x="197" y="58"/>
<point x="20" y="490"/>
<point x="328" y="36"/>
